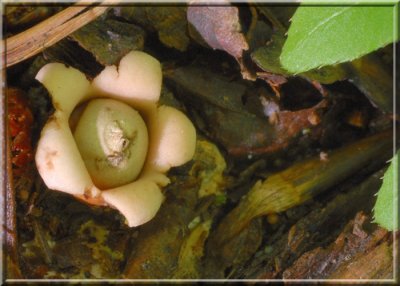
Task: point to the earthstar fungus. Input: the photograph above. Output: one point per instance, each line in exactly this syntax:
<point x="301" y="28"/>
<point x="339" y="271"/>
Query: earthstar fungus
<point x="108" y="142"/>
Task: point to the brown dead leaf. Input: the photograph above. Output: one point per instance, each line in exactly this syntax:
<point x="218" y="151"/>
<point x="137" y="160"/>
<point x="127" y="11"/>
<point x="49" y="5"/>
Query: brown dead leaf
<point x="274" y="80"/>
<point x="220" y="28"/>
<point x="225" y="118"/>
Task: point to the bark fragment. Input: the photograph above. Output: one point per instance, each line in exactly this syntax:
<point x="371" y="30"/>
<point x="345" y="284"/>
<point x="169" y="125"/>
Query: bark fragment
<point x="358" y="253"/>
<point x="314" y="231"/>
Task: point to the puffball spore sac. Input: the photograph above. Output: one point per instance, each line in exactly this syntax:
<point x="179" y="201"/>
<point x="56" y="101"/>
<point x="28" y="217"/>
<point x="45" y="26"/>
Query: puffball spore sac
<point x="112" y="139"/>
<point x="115" y="152"/>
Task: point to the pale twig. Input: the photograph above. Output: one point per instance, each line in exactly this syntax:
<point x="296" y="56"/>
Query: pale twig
<point x="34" y="40"/>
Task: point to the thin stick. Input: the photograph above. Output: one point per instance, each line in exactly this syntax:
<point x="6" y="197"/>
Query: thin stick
<point x="50" y="31"/>
<point x="10" y="207"/>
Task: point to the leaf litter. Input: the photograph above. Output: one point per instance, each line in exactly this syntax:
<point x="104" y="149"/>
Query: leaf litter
<point x="238" y="122"/>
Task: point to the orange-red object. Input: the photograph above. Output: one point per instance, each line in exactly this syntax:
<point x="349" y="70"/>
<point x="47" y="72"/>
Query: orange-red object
<point x="20" y="122"/>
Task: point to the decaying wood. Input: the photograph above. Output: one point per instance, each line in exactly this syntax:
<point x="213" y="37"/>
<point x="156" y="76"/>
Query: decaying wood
<point x="34" y="40"/>
<point x="280" y="253"/>
<point x="357" y="253"/>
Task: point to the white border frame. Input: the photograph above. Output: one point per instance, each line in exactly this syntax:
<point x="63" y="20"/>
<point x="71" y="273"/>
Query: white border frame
<point x="203" y="2"/>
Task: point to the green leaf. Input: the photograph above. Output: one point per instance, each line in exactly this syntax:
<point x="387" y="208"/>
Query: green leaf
<point x="386" y="206"/>
<point x="328" y="35"/>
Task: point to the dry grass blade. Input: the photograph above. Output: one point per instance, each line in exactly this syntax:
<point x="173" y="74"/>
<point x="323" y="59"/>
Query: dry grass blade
<point x="50" y="31"/>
